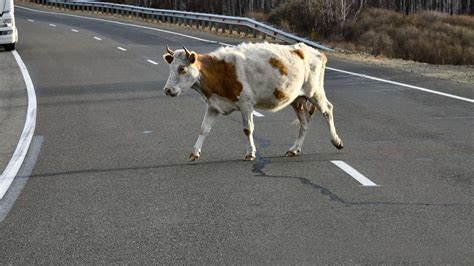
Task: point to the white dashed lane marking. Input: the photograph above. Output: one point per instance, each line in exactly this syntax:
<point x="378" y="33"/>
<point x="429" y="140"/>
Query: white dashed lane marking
<point x="74" y="30"/>
<point x="97" y="38"/>
<point x="121" y="49"/>
<point x="257" y="114"/>
<point x="152" y="62"/>
<point x="355" y="174"/>
<point x="52" y="25"/>
<point x="30" y="20"/>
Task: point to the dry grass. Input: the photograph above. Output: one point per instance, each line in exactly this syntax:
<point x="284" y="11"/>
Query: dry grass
<point x="427" y="37"/>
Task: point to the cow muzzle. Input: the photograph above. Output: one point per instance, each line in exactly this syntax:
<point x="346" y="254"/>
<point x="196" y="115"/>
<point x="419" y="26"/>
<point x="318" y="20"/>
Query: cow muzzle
<point x="171" y="92"/>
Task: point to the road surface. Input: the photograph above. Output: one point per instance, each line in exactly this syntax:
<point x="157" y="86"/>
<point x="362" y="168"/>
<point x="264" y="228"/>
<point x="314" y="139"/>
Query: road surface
<point x="108" y="179"/>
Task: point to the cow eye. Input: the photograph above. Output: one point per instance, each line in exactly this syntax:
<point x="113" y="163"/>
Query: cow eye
<point x="181" y="70"/>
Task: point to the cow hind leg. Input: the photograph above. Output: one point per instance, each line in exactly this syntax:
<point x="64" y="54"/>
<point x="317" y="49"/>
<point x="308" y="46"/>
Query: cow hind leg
<point x="304" y="117"/>
<point x="326" y="108"/>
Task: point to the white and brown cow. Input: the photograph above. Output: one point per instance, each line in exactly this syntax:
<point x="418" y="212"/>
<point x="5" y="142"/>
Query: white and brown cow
<point x="263" y="76"/>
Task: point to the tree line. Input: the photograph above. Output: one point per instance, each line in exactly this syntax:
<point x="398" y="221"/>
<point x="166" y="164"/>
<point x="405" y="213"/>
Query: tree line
<point x="347" y="7"/>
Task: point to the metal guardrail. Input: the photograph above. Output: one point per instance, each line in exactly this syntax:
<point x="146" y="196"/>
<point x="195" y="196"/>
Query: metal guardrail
<point x="199" y="20"/>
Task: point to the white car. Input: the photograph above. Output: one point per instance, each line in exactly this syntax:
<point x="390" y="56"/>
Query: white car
<point x="8" y="31"/>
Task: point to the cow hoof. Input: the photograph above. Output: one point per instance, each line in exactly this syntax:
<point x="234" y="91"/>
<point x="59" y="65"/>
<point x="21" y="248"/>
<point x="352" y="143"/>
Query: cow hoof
<point x="339" y="145"/>
<point x="249" y="157"/>
<point x="291" y="153"/>
<point x="194" y="157"/>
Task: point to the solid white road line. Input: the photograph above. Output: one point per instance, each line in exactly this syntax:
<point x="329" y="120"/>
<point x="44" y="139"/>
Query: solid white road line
<point x="226" y="44"/>
<point x="20" y="181"/>
<point x="30" y="20"/>
<point x="74" y="30"/>
<point x="121" y="49"/>
<point x="152" y="62"/>
<point x="403" y="85"/>
<point x="52" y="25"/>
<point x="26" y="136"/>
<point x="355" y="174"/>
<point x="97" y="38"/>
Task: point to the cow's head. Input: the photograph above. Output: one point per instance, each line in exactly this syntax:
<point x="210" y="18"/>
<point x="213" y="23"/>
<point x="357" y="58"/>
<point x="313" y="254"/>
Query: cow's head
<point x="183" y="71"/>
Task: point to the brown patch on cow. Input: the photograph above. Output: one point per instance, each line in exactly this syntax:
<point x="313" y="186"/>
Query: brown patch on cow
<point x="279" y="94"/>
<point x="299" y="53"/>
<point x="279" y="65"/>
<point x="324" y="58"/>
<point x="218" y="77"/>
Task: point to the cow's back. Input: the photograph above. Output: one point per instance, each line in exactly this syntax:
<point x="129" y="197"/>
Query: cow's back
<point x="272" y="75"/>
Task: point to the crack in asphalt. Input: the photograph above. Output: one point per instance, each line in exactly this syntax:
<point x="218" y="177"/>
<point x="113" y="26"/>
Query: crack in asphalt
<point x="261" y="162"/>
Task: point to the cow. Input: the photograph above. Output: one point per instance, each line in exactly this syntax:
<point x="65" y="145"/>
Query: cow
<point x="253" y="76"/>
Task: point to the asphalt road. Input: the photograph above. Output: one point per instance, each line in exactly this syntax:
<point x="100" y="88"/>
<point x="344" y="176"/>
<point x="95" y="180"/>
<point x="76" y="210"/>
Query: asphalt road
<point x="112" y="184"/>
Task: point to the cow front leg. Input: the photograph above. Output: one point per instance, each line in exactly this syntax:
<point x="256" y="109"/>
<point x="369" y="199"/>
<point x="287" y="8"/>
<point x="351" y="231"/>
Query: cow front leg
<point x="247" y="119"/>
<point x="206" y="125"/>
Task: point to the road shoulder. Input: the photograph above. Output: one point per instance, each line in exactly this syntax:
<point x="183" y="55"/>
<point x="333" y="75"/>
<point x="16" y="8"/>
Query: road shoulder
<point x="13" y="106"/>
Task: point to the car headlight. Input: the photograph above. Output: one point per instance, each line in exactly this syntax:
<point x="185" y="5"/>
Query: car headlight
<point x="7" y="22"/>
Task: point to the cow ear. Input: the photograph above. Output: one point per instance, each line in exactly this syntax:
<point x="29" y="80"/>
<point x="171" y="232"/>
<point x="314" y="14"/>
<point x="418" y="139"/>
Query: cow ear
<point x="168" y="58"/>
<point x="192" y="58"/>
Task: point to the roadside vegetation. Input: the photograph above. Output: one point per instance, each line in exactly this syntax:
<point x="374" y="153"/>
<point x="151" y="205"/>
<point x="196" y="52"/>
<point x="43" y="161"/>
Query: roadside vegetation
<point x="430" y="37"/>
<point x="433" y="31"/>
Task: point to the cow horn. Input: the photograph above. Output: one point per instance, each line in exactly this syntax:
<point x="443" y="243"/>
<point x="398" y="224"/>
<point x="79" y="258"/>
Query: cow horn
<point x="171" y="52"/>
<point x="188" y="53"/>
